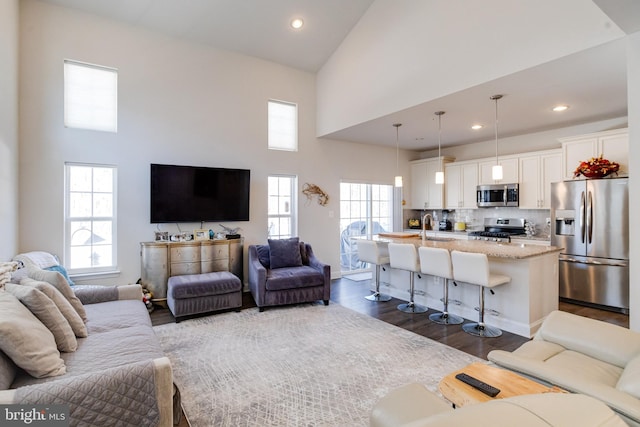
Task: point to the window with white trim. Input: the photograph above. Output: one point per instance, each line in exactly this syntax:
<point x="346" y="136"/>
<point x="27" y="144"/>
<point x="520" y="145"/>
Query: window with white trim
<point x="90" y="96"/>
<point x="282" y="212"/>
<point x="283" y="125"/>
<point x="90" y="218"/>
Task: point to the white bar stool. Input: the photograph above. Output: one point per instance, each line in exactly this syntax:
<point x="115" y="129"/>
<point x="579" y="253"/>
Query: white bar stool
<point x="437" y="262"/>
<point x="372" y="253"/>
<point x="474" y="268"/>
<point x="404" y="256"/>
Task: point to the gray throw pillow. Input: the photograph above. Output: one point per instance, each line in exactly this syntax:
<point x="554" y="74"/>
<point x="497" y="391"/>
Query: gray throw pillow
<point x="285" y="253"/>
<point x="69" y="313"/>
<point x="27" y="342"/>
<point x="61" y="284"/>
<point x="48" y="313"/>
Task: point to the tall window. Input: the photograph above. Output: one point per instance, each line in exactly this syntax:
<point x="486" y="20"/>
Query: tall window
<point x="90" y="96"/>
<point x="365" y="210"/>
<point x="90" y="218"/>
<point x="283" y="125"/>
<point x="282" y="206"/>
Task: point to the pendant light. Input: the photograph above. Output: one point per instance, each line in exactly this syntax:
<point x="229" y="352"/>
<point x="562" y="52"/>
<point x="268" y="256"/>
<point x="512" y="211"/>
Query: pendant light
<point x="440" y="173"/>
<point x="398" y="178"/>
<point x="496" y="171"/>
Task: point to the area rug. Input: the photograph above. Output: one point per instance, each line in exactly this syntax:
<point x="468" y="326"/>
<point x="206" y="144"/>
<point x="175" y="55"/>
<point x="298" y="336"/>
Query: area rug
<point x="358" y="277"/>
<point x="304" y="365"/>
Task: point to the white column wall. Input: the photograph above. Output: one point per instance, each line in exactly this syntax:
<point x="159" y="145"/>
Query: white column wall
<point x="633" y="88"/>
<point x="8" y="128"/>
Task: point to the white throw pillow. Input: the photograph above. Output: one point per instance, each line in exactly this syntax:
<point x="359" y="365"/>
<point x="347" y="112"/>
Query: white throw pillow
<point x="27" y="341"/>
<point x="48" y="313"/>
<point x="61" y="284"/>
<point x="76" y="323"/>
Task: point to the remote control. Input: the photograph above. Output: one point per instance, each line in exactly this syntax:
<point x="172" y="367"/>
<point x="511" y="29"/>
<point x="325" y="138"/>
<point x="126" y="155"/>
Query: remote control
<point x="477" y="384"/>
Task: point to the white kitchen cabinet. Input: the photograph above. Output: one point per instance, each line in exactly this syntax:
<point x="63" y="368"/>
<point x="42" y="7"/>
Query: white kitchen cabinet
<point x="613" y="145"/>
<point x="537" y="171"/>
<point x="461" y="180"/>
<point x="509" y="171"/>
<point x="425" y="193"/>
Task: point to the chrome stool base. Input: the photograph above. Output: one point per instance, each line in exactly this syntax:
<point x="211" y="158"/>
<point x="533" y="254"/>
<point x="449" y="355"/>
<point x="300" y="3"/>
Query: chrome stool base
<point x="446" y="319"/>
<point x="411" y="307"/>
<point x="481" y="330"/>
<point x="377" y="296"/>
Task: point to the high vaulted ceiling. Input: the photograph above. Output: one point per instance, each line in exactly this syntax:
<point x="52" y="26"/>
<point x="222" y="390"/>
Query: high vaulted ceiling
<point x="593" y="82"/>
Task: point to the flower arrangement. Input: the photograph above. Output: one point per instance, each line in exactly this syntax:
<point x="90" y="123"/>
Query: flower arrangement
<point x="596" y="167"/>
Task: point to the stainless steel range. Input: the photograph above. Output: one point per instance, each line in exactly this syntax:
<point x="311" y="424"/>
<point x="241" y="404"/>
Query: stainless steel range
<point x="499" y="229"/>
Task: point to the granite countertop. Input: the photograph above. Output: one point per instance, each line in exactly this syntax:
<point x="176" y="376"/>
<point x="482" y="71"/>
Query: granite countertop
<point x="491" y="249"/>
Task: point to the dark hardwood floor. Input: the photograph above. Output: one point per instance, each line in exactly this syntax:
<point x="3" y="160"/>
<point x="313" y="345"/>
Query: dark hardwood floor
<point x="350" y="294"/>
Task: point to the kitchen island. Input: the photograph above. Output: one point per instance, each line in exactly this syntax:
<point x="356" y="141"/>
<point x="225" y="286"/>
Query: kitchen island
<point x="518" y="307"/>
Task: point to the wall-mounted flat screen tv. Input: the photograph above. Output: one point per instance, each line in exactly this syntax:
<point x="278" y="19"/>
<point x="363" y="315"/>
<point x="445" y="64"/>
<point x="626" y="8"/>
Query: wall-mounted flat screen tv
<point x="195" y="194"/>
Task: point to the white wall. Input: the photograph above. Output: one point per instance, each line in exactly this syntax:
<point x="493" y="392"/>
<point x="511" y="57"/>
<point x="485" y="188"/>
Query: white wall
<point x="405" y="53"/>
<point x="179" y="103"/>
<point x="8" y="128"/>
<point x="633" y="88"/>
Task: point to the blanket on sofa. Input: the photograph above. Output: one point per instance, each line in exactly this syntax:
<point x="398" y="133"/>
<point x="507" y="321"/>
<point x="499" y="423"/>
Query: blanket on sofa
<point x="110" y="397"/>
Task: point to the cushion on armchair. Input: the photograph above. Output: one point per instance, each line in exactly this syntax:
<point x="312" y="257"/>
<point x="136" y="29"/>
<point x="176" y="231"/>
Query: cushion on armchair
<point x="285" y="253"/>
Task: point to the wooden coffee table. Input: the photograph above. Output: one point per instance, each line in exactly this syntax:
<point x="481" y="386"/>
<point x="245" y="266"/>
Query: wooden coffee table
<point x="509" y="383"/>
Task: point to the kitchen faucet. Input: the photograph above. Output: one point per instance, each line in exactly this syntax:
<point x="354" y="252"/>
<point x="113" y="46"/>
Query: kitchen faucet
<point x="424" y="225"/>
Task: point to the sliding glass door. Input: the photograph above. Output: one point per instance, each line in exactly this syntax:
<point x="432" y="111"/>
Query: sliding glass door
<point x="365" y="210"/>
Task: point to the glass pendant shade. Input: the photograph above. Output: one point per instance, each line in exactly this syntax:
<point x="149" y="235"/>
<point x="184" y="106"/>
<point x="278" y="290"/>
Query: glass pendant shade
<point x="397" y="182"/>
<point x="496" y="172"/>
<point x="440" y="173"/>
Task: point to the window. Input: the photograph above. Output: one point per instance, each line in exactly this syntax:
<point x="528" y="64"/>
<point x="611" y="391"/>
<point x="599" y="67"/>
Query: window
<point x="365" y="210"/>
<point x="283" y="126"/>
<point x="90" y="97"/>
<point x="282" y="212"/>
<point x="90" y="218"/>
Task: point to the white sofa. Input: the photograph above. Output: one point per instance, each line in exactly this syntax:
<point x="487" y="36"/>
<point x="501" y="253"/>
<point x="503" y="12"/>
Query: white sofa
<point x="584" y="356"/>
<point x="414" y="406"/>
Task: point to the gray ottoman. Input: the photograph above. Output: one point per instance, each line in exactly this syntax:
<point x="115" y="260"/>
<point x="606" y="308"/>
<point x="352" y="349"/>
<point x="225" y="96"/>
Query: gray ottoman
<point x="203" y="293"/>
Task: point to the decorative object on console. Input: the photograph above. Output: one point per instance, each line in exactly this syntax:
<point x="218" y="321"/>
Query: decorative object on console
<point x="596" y="167"/>
<point x="162" y="236"/>
<point x="201" y="234"/>
<point x="311" y="190"/>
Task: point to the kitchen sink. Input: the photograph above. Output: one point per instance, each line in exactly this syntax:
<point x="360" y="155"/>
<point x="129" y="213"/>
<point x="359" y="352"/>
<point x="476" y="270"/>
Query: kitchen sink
<point x="440" y="239"/>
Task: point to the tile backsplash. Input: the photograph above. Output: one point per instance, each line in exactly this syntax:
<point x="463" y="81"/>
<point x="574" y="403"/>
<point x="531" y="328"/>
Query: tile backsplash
<point x="474" y="218"/>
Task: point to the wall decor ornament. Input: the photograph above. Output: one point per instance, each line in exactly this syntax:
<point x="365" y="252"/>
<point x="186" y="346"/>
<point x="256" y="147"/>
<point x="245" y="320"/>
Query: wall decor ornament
<point x="311" y="190"/>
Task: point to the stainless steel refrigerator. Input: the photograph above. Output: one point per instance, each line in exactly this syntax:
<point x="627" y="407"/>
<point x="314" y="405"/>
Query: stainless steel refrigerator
<point x="590" y="220"/>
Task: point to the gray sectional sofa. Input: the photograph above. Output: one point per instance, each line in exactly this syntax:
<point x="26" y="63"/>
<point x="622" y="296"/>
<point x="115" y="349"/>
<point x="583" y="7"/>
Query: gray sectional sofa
<point x="117" y="375"/>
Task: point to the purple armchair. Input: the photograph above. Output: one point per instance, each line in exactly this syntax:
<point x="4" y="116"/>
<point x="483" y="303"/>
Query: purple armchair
<point x="287" y="272"/>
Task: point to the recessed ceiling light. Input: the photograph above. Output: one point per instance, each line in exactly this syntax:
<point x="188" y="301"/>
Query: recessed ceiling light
<point x="476" y="127"/>
<point x="297" y="23"/>
<point x="558" y="108"/>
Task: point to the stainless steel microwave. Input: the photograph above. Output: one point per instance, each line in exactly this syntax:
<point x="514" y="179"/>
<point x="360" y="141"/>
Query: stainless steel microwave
<point x="496" y="195"/>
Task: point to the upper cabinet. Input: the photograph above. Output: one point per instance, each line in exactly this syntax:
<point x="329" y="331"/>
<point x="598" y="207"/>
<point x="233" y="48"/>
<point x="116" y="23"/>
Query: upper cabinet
<point x="613" y="145"/>
<point x="461" y="180"/>
<point x="425" y="193"/>
<point x="509" y="171"/>
<point x="537" y="171"/>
